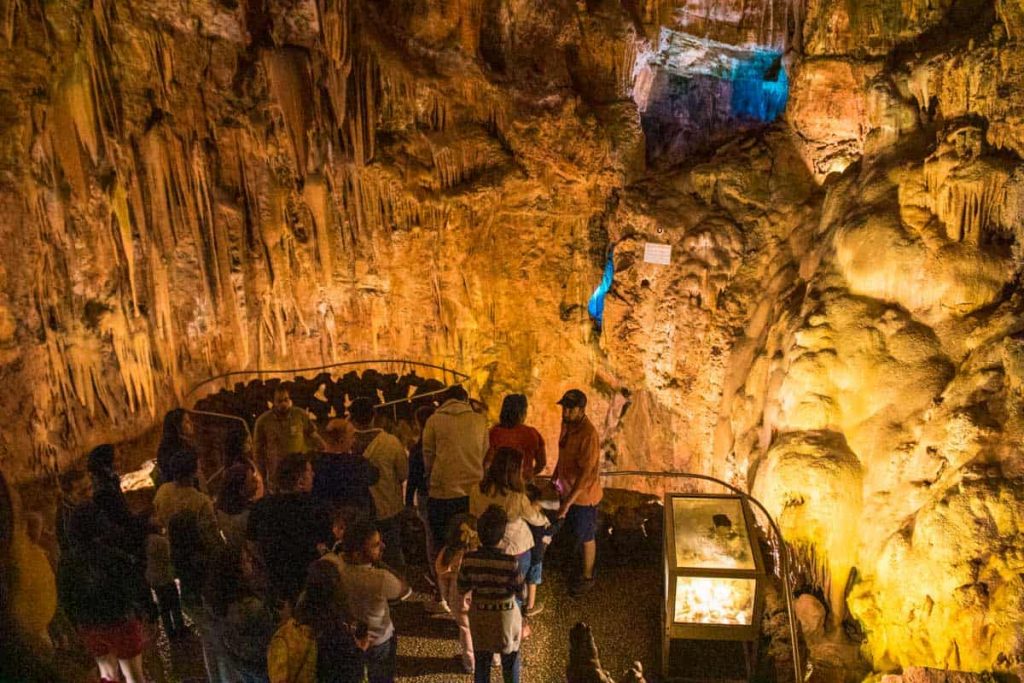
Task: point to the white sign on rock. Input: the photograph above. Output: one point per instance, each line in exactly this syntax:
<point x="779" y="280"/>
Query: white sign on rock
<point x="658" y="253"/>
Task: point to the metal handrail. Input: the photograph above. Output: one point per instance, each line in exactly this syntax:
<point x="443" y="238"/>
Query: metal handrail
<point x="226" y="416"/>
<point x="461" y="376"/>
<point x="798" y="670"/>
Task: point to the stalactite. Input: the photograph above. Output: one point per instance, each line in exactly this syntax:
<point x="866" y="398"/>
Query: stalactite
<point x="123" y="231"/>
<point x="72" y="125"/>
<point x="220" y="248"/>
<point x="134" y="360"/>
<point x="399" y="103"/>
<point x="360" y="137"/>
<point x="98" y="51"/>
<point x="163" y="319"/>
<point x="336" y="41"/>
<point x="463" y="158"/>
<point x="160" y="204"/>
<point x="8" y="14"/>
<point x="435" y="115"/>
<point x="288" y="74"/>
<point x="76" y="369"/>
<point x="377" y="203"/>
<point x="317" y="199"/>
<point x="966" y="197"/>
<point x="810" y="569"/>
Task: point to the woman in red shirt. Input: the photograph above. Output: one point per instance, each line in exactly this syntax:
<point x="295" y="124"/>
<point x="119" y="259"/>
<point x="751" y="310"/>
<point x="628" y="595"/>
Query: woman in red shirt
<point x="512" y="432"/>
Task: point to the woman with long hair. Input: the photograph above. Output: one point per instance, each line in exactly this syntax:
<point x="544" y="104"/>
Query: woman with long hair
<point x="178" y="434"/>
<point x="513" y="432"/>
<point x="503" y="486"/>
<point x="241" y="487"/>
<point x="243" y="621"/>
<point x="96" y="584"/>
<point x="316" y="643"/>
<point x="109" y="499"/>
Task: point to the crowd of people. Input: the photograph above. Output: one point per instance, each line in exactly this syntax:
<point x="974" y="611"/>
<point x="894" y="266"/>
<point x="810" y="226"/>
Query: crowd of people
<point x="286" y="570"/>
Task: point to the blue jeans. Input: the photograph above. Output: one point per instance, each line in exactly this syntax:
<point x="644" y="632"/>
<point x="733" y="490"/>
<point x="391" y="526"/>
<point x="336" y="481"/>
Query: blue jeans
<point x="535" y="574"/>
<point x="252" y="678"/>
<point x="380" y="661"/>
<point x="510" y="664"/>
<point x="523" y="559"/>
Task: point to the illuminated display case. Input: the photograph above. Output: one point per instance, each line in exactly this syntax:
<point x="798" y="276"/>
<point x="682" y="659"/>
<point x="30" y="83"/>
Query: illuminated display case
<point x="714" y="572"/>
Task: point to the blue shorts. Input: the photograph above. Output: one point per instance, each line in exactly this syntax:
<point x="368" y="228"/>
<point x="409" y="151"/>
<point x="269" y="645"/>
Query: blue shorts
<point x="582" y="522"/>
<point x="523" y="559"/>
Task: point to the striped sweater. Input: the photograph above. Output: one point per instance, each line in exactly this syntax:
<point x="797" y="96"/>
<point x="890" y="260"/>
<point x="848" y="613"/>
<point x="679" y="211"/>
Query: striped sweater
<point x="494" y="578"/>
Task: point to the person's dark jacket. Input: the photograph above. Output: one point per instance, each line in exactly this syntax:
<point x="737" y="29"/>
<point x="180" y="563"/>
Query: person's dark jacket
<point x="344" y="479"/>
<point x="108" y="497"/>
<point x="286" y="528"/>
<point x="338" y="659"/>
<point x="78" y="525"/>
<point x="94" y="588"/>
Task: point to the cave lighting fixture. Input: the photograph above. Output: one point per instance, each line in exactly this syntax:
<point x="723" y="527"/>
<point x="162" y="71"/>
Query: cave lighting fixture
<point x="596" y="304"/>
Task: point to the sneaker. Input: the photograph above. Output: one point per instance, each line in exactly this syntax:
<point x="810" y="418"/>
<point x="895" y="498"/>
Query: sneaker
<point x="439" y="607"/>
<point x="581" y="588"/>
<point x="535" y="610"/>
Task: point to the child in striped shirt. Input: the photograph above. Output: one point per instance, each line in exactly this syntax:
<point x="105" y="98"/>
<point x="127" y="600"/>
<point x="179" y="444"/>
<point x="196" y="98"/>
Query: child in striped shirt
<point x="495" y="581"/>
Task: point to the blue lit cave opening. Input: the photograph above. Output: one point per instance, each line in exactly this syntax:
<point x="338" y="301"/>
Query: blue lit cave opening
<point x="596" y="304"/>
<point x="694" y="92"/>
<point x="760" y="86"/>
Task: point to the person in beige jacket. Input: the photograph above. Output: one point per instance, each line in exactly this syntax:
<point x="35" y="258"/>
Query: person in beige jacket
<point x="454" y="445"/>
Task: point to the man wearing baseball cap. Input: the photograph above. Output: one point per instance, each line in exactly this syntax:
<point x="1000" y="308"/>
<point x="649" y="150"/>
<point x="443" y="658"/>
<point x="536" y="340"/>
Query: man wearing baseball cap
<point x="577" y="479"/>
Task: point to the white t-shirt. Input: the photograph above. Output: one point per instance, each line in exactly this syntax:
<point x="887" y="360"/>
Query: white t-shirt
<point x="367" y="591"/>
<point x="389" y="456"/>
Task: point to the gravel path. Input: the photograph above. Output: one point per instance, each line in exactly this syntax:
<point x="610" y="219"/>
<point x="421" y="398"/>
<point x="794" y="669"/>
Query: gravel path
<point x="623" y="611"/>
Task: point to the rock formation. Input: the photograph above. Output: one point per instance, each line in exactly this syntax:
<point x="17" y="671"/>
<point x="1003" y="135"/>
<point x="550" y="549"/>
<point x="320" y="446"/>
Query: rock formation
<point x="189" y="188"/>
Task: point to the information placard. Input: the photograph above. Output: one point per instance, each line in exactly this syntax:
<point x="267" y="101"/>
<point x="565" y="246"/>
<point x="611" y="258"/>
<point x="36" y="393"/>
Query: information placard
<point x="660" y="254"/>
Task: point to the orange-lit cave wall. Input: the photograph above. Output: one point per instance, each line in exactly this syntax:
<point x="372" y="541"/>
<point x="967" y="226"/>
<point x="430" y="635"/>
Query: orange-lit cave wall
<point x="189" y="188"/>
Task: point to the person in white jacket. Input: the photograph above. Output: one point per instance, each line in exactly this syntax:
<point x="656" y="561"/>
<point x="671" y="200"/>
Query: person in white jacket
<point x="503" y="486"/>
<point x="454" y="445"/>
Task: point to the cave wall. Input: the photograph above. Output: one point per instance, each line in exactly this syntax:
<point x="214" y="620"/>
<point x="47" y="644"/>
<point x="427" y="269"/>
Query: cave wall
<point x="884" y="404"/>
<point x="195" y="187"/>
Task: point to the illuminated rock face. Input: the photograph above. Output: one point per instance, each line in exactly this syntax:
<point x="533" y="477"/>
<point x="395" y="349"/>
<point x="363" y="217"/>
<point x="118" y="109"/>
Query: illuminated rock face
<point x="192" y="188"/>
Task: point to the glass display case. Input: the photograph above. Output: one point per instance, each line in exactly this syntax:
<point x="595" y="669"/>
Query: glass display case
<point x="714" y="572"/>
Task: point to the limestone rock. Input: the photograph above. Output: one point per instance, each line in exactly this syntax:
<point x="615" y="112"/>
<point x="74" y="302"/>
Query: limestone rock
<point x="953" y="570"/>
<point x="811" y="614"/>
<point x="919" y="674"/>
